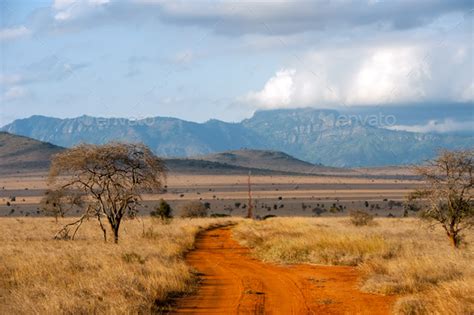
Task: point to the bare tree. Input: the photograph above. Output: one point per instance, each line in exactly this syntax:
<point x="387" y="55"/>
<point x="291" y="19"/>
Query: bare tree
<point x="112" y="178"/>
<point x="58" y="202"/>
<point x="448" y="192"/>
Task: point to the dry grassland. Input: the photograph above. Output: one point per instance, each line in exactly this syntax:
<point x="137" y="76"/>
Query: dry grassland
<point x="395" y="256"/>
<point x="39" y="275"/>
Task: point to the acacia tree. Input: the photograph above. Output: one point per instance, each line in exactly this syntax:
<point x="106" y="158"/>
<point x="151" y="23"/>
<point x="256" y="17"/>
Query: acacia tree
<point x="111" y="177"/>
<point x="448" y="192"/>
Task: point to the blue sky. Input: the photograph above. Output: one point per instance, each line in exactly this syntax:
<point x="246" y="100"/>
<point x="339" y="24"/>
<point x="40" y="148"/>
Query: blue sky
<point x="225" y="59"/>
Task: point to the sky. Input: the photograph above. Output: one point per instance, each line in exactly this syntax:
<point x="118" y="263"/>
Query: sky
<point x="223" y="59"/>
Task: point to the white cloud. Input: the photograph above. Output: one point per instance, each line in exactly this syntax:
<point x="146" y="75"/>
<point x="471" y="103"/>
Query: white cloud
<point x="447" y="125"/>
<point x="368" y="75"/>
<point x="277" y="92"/>
<point x="389" y="74"/>
<point x="14" y="32"/>
<point x="468" y="93"/>
<point x="66" y="10"/>
<point x="13" y="93"/>
<point x="294" y="16"/>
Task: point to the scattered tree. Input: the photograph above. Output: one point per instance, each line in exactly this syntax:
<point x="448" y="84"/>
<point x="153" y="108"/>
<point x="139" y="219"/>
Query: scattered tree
<point x="162" y="211"/>
<point x="448" y="192"/>
<point x="111" y="178"/>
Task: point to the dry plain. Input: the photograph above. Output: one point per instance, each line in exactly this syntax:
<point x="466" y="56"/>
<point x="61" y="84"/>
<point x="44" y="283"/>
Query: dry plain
<point x="395" y="265"/>
<point x="280" y="195"/>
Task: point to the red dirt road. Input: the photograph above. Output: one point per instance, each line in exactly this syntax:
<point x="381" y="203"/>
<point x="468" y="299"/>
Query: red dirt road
<point x="235" y="283"/>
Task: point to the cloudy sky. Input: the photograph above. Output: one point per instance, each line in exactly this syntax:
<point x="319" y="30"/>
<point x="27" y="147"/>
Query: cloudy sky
<point x="225" y="59"/>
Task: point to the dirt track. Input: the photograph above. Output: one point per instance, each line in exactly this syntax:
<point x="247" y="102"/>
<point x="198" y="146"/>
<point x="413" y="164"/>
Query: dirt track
<point x="235" y="283"/>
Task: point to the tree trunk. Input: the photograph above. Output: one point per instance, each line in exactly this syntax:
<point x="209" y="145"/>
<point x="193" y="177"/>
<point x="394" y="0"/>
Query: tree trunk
<point x="454" y="238"/>
<point x="102" y="228"/>
<point x="116" y="227"/>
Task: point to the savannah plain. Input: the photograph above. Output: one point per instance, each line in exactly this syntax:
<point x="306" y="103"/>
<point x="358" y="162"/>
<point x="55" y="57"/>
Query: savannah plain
<point x="306" y="257"/>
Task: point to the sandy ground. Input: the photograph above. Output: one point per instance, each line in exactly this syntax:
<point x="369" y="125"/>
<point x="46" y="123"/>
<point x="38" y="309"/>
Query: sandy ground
<point x="277" y="195"/>
<point x="235" y="283"/>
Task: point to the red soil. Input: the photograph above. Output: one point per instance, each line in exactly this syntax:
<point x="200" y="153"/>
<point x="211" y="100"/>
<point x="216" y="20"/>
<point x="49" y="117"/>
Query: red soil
<point x="235" y="283"/>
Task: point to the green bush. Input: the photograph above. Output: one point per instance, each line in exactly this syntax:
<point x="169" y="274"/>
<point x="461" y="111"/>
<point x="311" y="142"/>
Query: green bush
<point x="163" y="211"/>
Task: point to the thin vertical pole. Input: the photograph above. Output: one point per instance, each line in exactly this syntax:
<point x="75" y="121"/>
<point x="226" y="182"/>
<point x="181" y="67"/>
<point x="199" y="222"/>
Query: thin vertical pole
<point x="250" y="206"/>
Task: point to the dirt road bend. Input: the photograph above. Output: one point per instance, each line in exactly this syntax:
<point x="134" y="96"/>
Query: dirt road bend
<point x="235" y="283"/>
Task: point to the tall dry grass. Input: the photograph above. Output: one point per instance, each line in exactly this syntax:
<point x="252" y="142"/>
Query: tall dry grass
<point x="395" y="256"/>
<point x="39" y="275"/>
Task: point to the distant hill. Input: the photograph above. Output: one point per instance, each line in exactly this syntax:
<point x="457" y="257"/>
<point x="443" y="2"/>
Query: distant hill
<point x="316" y="136"/>
<point x="23" y="154"/>
<point x="18" y="153"/>
<point x="265" y="159"/>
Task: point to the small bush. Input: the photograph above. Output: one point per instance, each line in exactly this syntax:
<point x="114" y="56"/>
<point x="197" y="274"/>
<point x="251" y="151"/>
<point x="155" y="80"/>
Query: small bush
<point x="318" y="211"/>
<point x="163" y="211"/>
<point x="411" y="205"/>
<point x="334" y="208"/>
<point x="194" y="209"/>
<point x="360" y="218"/>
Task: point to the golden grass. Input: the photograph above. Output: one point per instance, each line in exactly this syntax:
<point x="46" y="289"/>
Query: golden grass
<point x="395" y="256"/>
<point x="39" y="275"/>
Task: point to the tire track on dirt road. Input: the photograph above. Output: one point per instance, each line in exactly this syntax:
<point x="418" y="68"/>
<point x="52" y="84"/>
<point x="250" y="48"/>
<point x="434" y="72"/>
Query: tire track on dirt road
<point x="235" y="283"/>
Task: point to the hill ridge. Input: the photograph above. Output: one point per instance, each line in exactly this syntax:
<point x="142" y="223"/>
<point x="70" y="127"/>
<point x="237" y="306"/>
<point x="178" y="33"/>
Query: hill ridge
<point x="308" y="134"/>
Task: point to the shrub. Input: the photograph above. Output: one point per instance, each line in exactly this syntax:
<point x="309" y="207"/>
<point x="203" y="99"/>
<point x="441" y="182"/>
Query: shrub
<point x="318" y="211"/>
<point x="360" y="218"/>
<point x="163" y="211"/>
<point x="194" y="209"/>
<point x="393" y="203"/>
<point x="334" y="208"/>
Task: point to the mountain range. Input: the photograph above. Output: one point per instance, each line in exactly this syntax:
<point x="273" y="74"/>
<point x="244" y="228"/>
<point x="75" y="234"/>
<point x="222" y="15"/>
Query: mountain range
<point x="312" y="135"/>
<point x="19" y="154"/>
